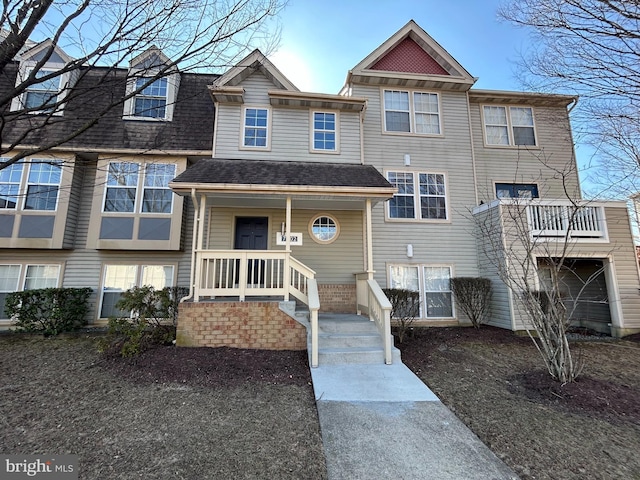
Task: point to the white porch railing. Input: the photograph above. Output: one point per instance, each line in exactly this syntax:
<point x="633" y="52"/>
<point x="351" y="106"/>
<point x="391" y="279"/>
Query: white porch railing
<point x="242" y="273"/>
<point x="560" y="220"/>
<point x="372" y="300"/>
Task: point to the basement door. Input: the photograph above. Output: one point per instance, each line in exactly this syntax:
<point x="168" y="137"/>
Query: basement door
<point x="252" y="234"/>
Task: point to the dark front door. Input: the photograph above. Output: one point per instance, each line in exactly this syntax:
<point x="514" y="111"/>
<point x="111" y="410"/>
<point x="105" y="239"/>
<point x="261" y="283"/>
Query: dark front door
<point x="252" y="234"/>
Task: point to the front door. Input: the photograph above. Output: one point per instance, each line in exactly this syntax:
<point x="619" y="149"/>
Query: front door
<point x="252" y="234"/>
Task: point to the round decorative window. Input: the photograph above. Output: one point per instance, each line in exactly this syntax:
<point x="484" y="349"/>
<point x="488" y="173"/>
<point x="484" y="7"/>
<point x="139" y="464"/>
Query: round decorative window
<point x="324" y="229"/>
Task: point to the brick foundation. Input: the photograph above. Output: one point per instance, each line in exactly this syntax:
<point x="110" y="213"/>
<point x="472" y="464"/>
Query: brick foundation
<point x="337" y="298"/>
<point x="259" y="325"/>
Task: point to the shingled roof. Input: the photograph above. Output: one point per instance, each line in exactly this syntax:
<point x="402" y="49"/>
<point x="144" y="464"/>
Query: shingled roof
<point x="218" y="172"/>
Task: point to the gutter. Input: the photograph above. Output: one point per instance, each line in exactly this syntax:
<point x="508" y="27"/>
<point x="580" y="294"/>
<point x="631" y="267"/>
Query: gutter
<point x="196" y="221"/>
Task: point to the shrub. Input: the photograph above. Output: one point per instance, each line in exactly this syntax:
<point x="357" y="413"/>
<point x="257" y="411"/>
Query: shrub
<point x="473" y="296"/>
<point x="153" y="320"/>
<point x="405" y="307"/>
<point x="49" y="311"/>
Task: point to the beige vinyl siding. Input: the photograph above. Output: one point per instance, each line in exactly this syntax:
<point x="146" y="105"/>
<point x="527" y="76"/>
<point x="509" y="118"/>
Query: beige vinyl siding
<point x="489" y="253"/>
<point x="290" y="130"/>
<point x="539" y="165"/>
<point x="434" y="243"/>
<point x="334" y="263"/>
<point x="74" y="203"/>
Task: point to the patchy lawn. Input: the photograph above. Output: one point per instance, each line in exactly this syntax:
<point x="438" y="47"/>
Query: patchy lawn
<point x="172" y="413"/>
<point x="495" y="383"/>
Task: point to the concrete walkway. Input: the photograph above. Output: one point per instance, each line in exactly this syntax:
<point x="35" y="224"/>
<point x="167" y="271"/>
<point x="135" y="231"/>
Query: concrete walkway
<point x="382" y="422"/>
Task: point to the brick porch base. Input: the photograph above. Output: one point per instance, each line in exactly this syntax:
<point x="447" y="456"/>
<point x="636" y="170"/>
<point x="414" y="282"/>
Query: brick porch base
<point x="337" y="298"/>
<point x="259" y="325"/>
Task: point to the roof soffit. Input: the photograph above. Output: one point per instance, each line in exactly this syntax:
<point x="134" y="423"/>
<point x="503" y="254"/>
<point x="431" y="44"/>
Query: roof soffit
<point x="364" y="72"/>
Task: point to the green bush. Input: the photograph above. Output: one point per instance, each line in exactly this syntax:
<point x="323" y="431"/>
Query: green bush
<point x="49" y="311"/>
<point x="405" y="307"/>
<point x="153" y="320"/>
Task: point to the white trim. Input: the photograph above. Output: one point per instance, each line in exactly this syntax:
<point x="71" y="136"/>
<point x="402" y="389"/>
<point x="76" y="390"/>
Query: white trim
<point x="173" y="83"/>
<point x="509" y="125"/>
<point x="317" y="217"/>
<point x="65" y="83"/>
<point x="416" y="197"/>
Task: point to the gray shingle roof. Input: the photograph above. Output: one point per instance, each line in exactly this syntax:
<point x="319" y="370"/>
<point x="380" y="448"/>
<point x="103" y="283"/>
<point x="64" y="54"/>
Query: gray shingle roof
<point x="268" y="172"/>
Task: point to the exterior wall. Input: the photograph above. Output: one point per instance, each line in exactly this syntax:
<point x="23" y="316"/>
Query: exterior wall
<point x="334" y="263"/>
<point x="239" y="324"/>
<point x="450" y="242"/>
<point x="489" y="253"/>
<point x="528" y="164"/>
<point x="337" y="298"/>
<point x="290" y="130"/>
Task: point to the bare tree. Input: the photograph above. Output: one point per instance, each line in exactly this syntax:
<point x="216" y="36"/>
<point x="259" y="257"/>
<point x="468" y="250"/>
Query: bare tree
<point x="529" y="246"/>
<point x="590" y="48"/>
<point x="99" y="35"/>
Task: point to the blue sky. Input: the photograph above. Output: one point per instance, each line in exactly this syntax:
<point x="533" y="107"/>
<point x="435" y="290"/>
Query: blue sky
<point x="321" y="41"/>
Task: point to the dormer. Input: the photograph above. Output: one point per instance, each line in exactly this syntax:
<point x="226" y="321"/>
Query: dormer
<point x="152" y="84"/>
<point x="43" y="80"/>
<point x="411" y="59"/>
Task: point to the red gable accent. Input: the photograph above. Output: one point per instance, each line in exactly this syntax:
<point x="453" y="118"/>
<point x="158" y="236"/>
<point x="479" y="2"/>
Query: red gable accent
<point x="409" y="57"/>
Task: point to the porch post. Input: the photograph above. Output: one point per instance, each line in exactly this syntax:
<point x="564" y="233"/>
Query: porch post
<point x="197" y="245"/>
<point x="369" y="240"/>
<point x="287" y="264"/>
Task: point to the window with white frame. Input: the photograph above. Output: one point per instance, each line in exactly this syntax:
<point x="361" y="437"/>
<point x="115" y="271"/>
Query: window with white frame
<point x="125" y="184"/>
<point x="509" y="126"/>
<point x="324" y="229"/>
<point x="36" y="182"/>
<point x="151" y="102"/>
<point x="256" y="128"/>
<point x="411" y="112"/>
<point x="35" y="277"/>
<point x="120" y="278"/>
<point x="325" y="132"/>
<point x="433" y="283"/>
<point x="43" y="95"/>
<point x="421" y="196"/>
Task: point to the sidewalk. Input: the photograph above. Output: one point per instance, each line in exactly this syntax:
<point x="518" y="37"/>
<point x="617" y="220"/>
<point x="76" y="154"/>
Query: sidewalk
<point x="382" y="422"/>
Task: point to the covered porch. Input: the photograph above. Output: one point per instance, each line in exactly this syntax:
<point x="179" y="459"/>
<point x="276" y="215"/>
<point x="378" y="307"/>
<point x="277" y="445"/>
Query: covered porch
<point x="298" y="233"/>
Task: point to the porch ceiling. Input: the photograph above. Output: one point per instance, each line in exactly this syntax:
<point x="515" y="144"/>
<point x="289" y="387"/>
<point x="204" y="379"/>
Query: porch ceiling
<point x="237" y="181"/>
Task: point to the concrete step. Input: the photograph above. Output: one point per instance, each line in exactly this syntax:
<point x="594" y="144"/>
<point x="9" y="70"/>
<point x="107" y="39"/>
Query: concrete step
<point x="355" y="355"/>
<point x="346" y="324"/>
<point x="338" y="340"/>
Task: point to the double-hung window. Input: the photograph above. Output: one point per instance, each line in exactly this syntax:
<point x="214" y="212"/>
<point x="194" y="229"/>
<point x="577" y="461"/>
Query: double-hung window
<point x="37" y="181"/>
<point x="256" y="128"/>
<point x="120" y="278"/>
<point x="151" y="101"/>
<point x="324" y="132"/>
<point x="411" y="112"/>
<point x="509" y="126"/>
<point x="432" y="281"/>
<point x="421" y="196"/>
<point x="18" y="277"/>
<point x="129" y="190"/>
<point x="42" y="96"/>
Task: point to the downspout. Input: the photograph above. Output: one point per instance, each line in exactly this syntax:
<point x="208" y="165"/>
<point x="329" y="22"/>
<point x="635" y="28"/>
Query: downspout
<point x="196" y="222"/>
<point x="362" y="112"/>
<point x="473" y="151"/>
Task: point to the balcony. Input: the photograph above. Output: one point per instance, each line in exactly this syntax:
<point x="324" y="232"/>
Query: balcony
<point x="566" y="220"/>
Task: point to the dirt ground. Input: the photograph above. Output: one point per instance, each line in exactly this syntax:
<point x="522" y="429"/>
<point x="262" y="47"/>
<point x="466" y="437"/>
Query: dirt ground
<point x="495" y="383"/>
<point x="173" y="413"/>
<point x="224" y="413"/>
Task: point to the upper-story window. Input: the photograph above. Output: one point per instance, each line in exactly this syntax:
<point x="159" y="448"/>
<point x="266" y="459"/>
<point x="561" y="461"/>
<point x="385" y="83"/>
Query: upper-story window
<point x="42" y="96"/>
<point x="256" y="125"/>
<point x="412" y="112"/>
<point x="509" y="126"/>
<point x="516" y="190"/>
<point x="325" y="132"/>
<point x="127" y="190"/>
<point x="32" y="185"/>
<point x="151" y="102"/>
<point x="421" y="196"/>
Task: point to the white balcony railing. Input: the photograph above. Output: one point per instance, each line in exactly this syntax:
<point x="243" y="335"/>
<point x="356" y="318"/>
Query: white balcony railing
<point x="557" y="220"/>
<point x="372" y="300"/>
